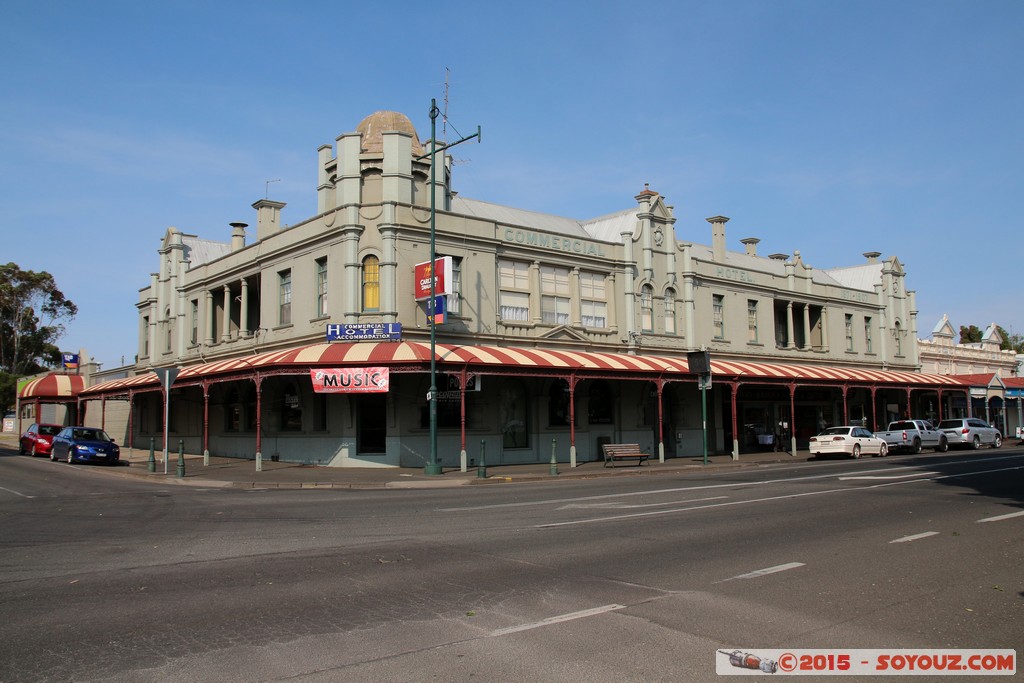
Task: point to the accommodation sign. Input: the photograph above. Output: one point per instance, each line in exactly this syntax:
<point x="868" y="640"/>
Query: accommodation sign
<point x="365" y="332"/>
<point x="350" y="380"/>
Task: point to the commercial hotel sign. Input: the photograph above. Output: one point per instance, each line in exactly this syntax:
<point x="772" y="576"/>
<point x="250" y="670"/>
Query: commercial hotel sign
<point x="540" y="240"/>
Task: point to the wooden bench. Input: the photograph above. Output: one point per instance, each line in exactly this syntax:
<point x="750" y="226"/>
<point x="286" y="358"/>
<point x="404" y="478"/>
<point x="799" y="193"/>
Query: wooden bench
<point x="622" y="451"/>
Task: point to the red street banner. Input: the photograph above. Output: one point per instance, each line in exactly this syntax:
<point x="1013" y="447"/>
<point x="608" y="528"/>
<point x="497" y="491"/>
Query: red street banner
<point x="350" y="380"/>
<point x="442" y="272"/>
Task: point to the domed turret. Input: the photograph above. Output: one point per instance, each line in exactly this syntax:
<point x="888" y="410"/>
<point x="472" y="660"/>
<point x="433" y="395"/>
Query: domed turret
<point x="377" y="123"/>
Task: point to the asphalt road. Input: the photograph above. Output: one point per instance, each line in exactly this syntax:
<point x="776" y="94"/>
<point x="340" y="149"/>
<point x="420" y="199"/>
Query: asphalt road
<point x="632" y="579"/>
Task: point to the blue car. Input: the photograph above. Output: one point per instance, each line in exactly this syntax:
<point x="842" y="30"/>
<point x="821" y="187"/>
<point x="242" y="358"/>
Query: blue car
<point x="84" y="444"/>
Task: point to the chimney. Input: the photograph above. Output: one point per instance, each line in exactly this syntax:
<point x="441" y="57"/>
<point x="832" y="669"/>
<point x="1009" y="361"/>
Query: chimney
<point x="751" y="245"/>
<point x="872" y="256"/>
<point x="238" y="235"/>
<point x="778" y="257"/>
<point x="268" y="217"/>
<point x="718" y="237"/>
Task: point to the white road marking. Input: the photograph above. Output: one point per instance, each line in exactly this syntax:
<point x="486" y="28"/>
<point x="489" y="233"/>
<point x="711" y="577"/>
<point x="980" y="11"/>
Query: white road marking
<point x="731" y="503"/>
<point x="890" y="476"/>
<point x="15" y="492"/>
<point x="1002" y="517"/>
<point x="914" y="537"/>
<point x="683" y="489"/>
<point x="555" y="620"/>
<point x="623" y="506"/>
<point x="766" y="571"/>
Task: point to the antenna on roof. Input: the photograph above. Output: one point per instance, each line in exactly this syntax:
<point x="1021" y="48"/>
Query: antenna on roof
<point x="444" y="118"/>
<point x="444" y="112"/>
<point x="266" y="194"/>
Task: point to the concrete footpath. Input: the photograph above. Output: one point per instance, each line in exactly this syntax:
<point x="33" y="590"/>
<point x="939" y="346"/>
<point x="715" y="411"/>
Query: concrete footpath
<point x="241" y="473"/>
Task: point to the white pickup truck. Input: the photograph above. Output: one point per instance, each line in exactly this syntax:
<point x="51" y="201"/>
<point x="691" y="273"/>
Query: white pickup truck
<point x="913" y="435"/>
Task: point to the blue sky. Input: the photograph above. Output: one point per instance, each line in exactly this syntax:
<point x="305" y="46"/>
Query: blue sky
<point x="833" y="128"/>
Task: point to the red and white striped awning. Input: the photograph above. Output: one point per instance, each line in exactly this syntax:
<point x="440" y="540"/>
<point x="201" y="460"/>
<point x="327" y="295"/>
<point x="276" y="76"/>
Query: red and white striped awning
<point x="748" y="371"/>
<point x="481" y="358"/>
<point x="53" y="386"/>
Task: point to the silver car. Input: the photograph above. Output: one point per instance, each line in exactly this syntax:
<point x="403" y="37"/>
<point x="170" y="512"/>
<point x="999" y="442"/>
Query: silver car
<point x="970" y="432"/>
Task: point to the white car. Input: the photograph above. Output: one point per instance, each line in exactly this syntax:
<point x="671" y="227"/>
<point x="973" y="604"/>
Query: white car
<point x="849" y="440"/>
<point x="970" y="432"/>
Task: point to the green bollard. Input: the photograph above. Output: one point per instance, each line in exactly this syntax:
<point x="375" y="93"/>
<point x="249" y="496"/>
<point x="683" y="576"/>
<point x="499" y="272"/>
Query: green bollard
<point x="481" y="469"/>
<point x="152" y="454"/>
<point x="554" y="462"/>
<point x="181" y="459"/>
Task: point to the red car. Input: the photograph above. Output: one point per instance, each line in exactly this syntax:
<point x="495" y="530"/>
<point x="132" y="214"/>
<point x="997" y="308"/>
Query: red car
<point x="38" y="439"/>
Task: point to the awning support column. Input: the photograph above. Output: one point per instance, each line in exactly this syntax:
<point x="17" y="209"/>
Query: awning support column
<point x="734" y="388"/>
<point x="463" y="457"/>
<point x="792" y="418"/>
<point x="844" y="389"/>
<point x="572" y="420"/>
<point x="661" y="421"/>
<point x="206" y="422"/>
<point x="259" y="416"/>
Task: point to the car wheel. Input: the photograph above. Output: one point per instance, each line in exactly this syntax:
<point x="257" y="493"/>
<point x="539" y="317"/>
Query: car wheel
<point x="998" y="442"/>
<point x="53" y="454"/>
<point x="33" y="451"/>
<point x="856" y="451"/>
<point x="976" y="444"/>
<point x="71" y="459"/>
<point x="916" y="448"/>
<point x="21" y="448"/>
<point x="943" y="445"/>
<point x="883" y="450"/>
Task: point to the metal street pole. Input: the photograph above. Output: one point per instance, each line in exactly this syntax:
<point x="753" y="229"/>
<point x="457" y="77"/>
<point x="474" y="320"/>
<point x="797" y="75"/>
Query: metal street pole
<point x="434" y="466"/>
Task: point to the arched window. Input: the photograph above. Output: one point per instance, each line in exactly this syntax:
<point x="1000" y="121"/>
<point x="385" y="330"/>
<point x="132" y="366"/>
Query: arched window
<point x="670" y="311"/>
<point x="371" y="284"/>
<point x="647" y="308"/>
<point x="168" y="322"/>
<point x="897" y="332"/>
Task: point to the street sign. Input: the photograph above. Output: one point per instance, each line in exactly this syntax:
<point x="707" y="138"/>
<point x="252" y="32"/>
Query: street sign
<point x="365" y="332"/>
<point x="438" y="313"/>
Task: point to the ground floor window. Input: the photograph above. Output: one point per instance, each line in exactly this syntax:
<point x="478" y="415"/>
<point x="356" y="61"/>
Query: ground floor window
<point x="513" y="412"/>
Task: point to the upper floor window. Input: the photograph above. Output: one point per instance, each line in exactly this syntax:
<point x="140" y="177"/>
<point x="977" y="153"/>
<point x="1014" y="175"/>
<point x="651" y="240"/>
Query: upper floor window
<point x="647" y="308"/>
<point x="752" y="321"/>
<point x="284" y="298"/>
<point x="168" y="330"/>
<point x="455" y="295"/>
<point x="718" y="315"/>
<point x="194" y="314"/>
<point x="514" y="290"/>
<point x="670" y="311"/>
<point x="593" y="300"/>
<point x="554" y="300"/>
<point x="371" y="284"/>
<point x="321" y="287"/>
<point x="849" y="332"/>
<point x="867" y="334"/>
<point x="145" y="336"/>
<point x="897" y="331"/>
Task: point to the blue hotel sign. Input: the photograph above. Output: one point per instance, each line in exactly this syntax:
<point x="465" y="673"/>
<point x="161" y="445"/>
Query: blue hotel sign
<point x="365" y="332"/>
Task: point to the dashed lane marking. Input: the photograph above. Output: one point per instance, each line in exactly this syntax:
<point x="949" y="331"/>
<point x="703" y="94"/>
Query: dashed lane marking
<point x="1002" y="517"/>
<point x="914" y="537"/>
<point x="766" y="571"/>
<point x="555" y="620"/>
